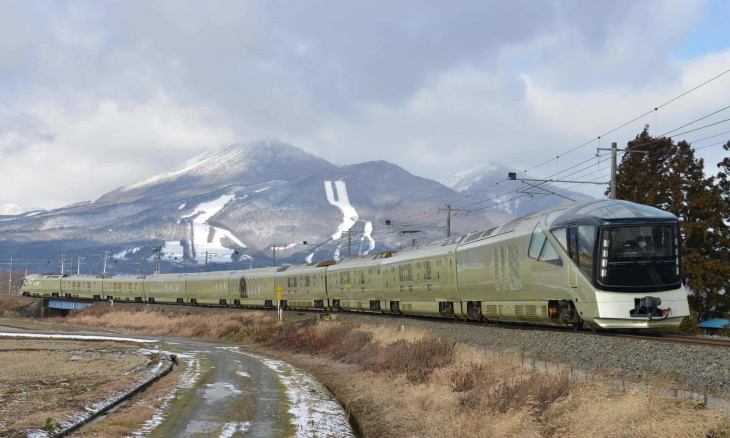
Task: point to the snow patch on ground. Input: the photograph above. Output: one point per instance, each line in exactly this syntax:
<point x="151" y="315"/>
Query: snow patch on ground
<point x="231" y="428"/>
<point x="190" y="376"/>
<point x="314" y="410"/>
<point x="86" y="337"/>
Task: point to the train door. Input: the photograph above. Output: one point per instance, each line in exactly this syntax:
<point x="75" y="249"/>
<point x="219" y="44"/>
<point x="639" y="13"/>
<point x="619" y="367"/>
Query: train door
<point x="242" y="288"/>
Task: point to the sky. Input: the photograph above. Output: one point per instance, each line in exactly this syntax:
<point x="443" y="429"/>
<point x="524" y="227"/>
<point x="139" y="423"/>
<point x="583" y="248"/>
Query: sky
<point x="99" y="94"/>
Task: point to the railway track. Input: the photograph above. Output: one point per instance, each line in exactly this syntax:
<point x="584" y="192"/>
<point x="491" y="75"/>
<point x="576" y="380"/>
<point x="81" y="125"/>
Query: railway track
<point x="681" y="339"/>
<point x="672" y="338"/>
<point x="648" y="336"/>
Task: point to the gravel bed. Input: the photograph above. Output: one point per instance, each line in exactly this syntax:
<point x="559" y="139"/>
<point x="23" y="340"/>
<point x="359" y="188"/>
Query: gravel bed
<point x="700" y="367"/>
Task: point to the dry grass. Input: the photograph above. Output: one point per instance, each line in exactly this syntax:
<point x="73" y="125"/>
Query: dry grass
<point x="128" y="418"/>
<point x="411" y="384"/>
<point x="233" y="326"/>
<point x="42" y="379"/>
<point x="421" y="386"/>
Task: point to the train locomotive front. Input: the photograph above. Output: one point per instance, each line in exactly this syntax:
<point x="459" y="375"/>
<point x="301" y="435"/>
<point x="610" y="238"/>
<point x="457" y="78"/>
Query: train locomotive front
<point x="626" y="264"/>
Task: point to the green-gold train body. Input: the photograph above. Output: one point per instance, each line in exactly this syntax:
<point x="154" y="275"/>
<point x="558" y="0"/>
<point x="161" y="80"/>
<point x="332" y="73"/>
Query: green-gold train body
<point x="601" y="264"/>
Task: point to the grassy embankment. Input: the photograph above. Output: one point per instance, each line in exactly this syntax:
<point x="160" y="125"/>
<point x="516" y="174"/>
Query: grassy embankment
<point x="408" y="383"/>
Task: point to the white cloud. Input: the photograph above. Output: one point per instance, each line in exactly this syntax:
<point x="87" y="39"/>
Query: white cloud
<point x="100" y="145"/>
<point x="97" y="95"/>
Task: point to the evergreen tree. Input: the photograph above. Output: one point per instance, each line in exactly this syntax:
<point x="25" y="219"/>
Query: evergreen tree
<point x="657" y="172"/>
<point x="723" y="178"/>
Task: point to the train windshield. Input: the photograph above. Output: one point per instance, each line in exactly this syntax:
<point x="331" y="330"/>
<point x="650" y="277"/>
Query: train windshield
<point x="639" y="258"/>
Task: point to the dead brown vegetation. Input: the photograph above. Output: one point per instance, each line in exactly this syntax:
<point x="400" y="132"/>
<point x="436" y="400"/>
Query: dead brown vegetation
<point x="412" y="384"/>
<point x="50" y="378"/>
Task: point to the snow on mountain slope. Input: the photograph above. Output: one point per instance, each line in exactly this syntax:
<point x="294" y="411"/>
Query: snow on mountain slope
<point x="205" y="240"/>
<point x="467" y="178"/>
<point x="337" y="195"/>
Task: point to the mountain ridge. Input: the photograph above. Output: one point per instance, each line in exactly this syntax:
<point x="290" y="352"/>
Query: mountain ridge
<point x="253" y="197"/>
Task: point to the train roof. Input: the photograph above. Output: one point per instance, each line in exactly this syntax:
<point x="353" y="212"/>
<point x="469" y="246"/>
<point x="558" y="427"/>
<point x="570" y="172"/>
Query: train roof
<point x="604" y="210"/>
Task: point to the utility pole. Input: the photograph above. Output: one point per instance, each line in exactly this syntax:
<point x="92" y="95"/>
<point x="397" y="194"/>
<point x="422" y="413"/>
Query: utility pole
<point x="448" y="211"/>
<point x="63" y="263"/>
<point x="79" y="261"/>
<point x="273" y="253"/>
<point x="206" y="259"/>
<point x="107" y="254"/>
<point x="158" y="255"/>
<point x="614" y="154"/>
<point x="10" y="279"/>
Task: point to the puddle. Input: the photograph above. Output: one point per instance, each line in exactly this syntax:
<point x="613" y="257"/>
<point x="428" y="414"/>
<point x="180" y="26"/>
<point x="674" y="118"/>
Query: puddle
<point x="220" y="390"/>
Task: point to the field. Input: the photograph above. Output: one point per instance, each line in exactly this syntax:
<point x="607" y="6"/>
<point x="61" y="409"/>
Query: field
<point x="49" y="383"/>
<point x="409" y="383"/>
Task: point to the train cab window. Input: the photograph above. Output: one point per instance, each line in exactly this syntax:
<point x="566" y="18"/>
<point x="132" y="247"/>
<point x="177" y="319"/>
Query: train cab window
<point x="561" y="235"/>
<point x="550" y="255"/>
<point x="542" y="250"/>
<point x="536" y="243"/>
<point x="586" y="244"/>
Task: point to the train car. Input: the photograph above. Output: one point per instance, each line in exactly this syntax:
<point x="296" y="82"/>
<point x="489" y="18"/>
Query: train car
<point x="356" y="284"/>
<point x="422" y="281"/>
<point x="302" y="286"/>
<point x="167" y="288"/>
<point x="258" y="289"/>
<point x="128" y="288"/>
<point x="628" y="260"/>
<point x="578" y="265"/>
<point x="42" y="285"/>
<point x="211" y="288"/>
<point x="83" y="286"/>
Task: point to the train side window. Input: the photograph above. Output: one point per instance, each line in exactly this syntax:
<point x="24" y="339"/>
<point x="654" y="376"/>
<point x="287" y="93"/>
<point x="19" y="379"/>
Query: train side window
<point x="536" y="243"/>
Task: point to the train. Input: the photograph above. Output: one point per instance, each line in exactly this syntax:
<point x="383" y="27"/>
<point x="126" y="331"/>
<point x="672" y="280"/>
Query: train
<point x="598" y="264"/>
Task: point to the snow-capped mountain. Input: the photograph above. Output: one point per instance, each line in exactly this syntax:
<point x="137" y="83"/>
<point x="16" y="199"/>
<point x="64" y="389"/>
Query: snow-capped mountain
<point x="234" y="165"/>
<point x="487" y="182"/>
<point x="243" y="204"/>
<point x="11" y="210"/>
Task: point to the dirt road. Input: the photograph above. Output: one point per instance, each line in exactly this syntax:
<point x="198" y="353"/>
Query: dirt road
<point x="233" y="393"/>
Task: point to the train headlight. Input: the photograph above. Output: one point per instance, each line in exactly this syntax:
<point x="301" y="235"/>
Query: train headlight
<point x="604" y="256"/>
